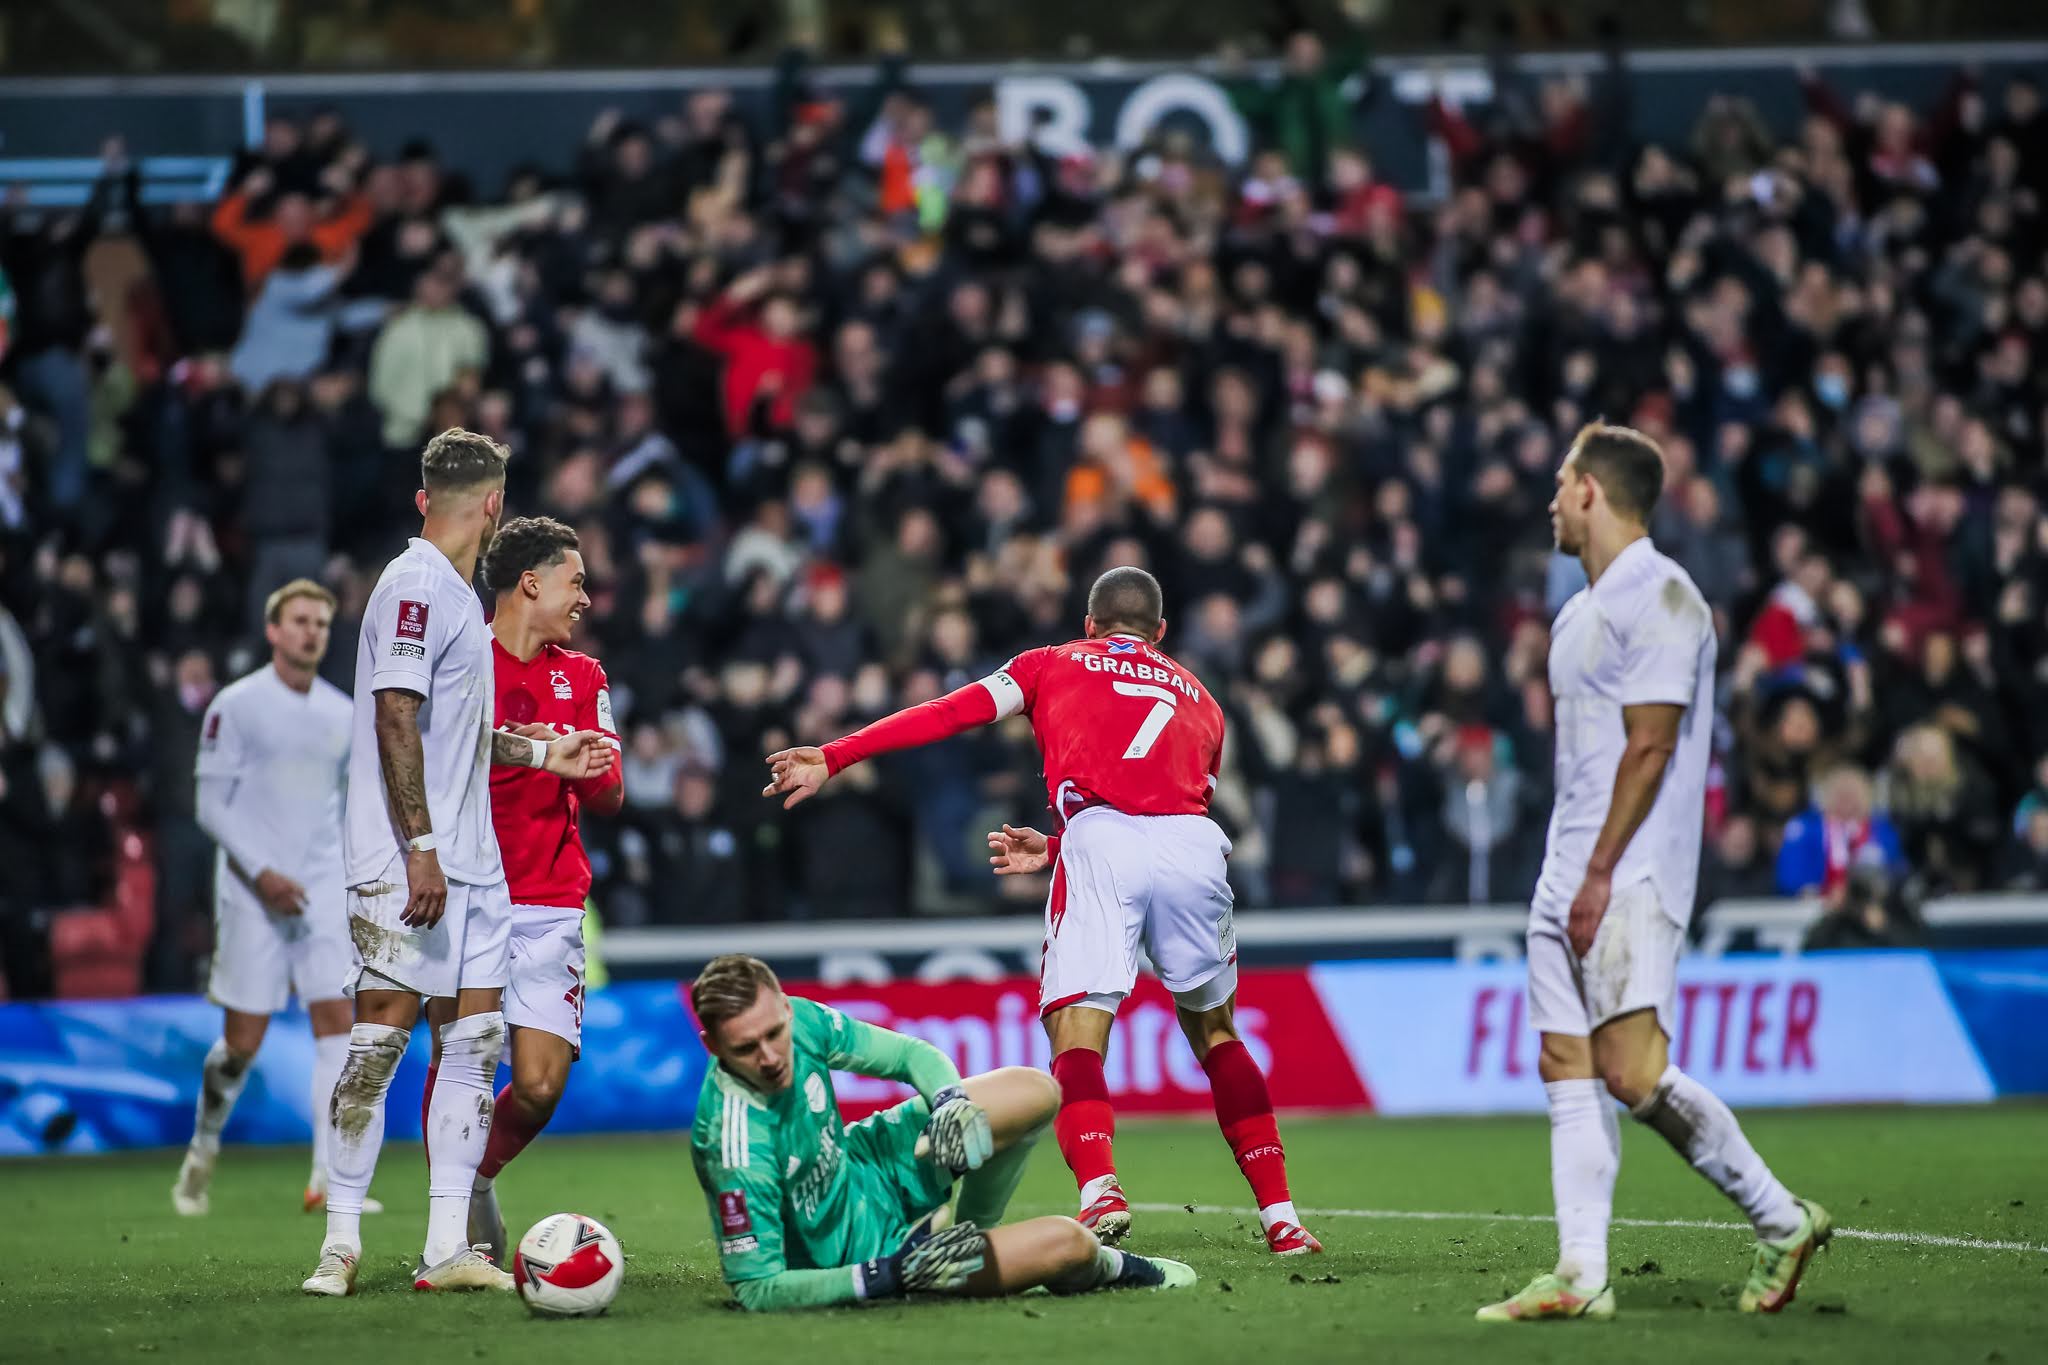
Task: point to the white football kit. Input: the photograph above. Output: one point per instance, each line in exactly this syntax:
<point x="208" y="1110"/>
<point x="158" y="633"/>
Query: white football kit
<point x="423" y="632"/>
<point x="271" y="768"/>
<point x="1642" y="635"/>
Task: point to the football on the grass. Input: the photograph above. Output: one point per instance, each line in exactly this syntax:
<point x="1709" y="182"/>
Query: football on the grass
<point x="568" y="1266"/>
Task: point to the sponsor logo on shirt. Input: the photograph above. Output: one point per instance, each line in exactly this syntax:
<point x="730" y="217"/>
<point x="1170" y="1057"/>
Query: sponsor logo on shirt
<point x="1123" y="646"/>
<point x="412" y="620"/>
<point x="738" y="1246"/>
<point x="559" y="680"/>
<point x="732" y="1212"/>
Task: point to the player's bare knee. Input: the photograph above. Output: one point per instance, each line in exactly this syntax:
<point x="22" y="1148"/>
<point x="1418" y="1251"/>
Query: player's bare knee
<point x="538" y="1093"/>
<point x="1038" y="1091"/>
<point x="1564" y="1058"/>
<point x="1075" y="1245"/>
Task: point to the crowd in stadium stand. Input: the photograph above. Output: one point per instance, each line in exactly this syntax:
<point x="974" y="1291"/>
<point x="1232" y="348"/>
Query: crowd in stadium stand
<point x="848" y="408"/>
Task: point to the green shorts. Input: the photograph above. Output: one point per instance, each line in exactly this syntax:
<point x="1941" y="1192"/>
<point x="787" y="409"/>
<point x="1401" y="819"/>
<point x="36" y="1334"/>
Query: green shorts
<point x="901" y="1187"/>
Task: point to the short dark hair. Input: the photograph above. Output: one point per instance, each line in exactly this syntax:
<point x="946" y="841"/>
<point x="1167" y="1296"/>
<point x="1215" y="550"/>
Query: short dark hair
<point x="728" y="987"/>
<point x="523" y="544"/>
<point x="1627" y="464"/>
<point x="1126" y="598"/>
<point x="458" y="459"/>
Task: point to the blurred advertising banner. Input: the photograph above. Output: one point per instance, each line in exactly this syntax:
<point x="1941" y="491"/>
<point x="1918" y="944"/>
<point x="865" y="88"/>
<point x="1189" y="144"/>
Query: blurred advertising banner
<point x="1391" y="1037"/>
<point x="1829" y="1028"/>
<point x="1150" y="1068"/>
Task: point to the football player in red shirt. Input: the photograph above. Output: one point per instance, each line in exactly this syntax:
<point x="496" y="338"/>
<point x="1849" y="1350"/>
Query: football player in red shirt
<point x="1132" y="743"/>
<point x="543" y="690"/>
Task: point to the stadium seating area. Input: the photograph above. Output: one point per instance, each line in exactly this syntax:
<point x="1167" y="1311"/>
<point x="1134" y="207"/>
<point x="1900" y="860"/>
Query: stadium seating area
<point x="848" y="408"/>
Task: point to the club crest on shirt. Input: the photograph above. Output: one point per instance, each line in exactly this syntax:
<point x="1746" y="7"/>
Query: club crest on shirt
<point x="559" y="680"/>
<point x="814" y="1093"/>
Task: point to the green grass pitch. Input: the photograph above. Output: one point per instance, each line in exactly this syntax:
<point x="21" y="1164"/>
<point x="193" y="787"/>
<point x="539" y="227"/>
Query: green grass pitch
<point x="102" y="1270"/>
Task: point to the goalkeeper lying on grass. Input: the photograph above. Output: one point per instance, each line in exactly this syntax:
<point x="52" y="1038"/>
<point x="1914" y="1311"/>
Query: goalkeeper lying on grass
<point x="810" y="1212"/>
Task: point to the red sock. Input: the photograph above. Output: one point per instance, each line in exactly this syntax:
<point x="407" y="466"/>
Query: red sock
<point x="1085" y="1125"/>
<point x="1245" y="1114"/>
<point x="426" y="1104"/>
<point x="511" y="1130"/>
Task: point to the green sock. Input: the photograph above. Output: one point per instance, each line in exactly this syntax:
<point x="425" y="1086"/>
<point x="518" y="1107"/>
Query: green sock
<point x="985" y="1194"/>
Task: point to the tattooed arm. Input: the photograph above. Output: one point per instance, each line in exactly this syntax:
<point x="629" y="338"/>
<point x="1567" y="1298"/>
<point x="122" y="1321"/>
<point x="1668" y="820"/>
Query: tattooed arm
<point x="575" y="756"/>
<point x="403" y="762"/>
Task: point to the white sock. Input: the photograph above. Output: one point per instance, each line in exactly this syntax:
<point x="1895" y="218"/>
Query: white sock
<point x="329" y="1052"/>
<point x="1692" y="1118"/>
<point x="1282" y="1212"/>
<point x="1585" y="1157"/>
<point x="459" y="1127"/>
<point x="220" y="1085"/>
<point x="1095" y="1188"/>
<point x="356" y="1116"/>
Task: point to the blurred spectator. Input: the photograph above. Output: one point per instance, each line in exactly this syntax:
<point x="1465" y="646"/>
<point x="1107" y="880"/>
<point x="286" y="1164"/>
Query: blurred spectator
<point x="1946" y="809"/>
<point x="1870" y="911"/>
<point x="849" y="403"/>
<point x="1839" y="833"/>
<point x="421" y="350"/>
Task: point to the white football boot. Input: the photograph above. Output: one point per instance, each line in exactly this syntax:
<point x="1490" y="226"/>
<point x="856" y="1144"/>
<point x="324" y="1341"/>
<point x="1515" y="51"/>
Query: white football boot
<point x="335" y="1276"/>
<point x="468" y="1268"/>
<point x="189" y="1196"/>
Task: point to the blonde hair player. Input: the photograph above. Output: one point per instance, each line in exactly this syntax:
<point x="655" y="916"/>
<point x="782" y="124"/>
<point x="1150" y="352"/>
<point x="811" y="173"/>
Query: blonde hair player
<point x="428" y="909"/>
<point x="272" y="766"/>
<point x="1632" y="670"/>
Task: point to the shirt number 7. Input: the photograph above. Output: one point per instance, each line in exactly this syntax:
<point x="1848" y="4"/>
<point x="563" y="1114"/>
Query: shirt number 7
<point x="1155" y="720"/>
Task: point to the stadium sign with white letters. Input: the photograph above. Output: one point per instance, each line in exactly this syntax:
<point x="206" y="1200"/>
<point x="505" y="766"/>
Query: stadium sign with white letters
<point x="488" y="122"/>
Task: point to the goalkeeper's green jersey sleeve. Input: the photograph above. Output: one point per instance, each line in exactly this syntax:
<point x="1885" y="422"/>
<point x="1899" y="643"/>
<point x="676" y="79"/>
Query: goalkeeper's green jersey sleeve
<point x="790" y="1212"/>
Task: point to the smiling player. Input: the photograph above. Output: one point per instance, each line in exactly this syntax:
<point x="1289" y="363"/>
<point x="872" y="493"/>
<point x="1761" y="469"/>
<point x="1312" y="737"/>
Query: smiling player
<point x="543" y="691"/>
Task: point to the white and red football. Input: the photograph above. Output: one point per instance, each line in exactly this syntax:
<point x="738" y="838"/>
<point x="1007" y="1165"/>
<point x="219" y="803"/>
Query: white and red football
<point x="568" y="1266"/>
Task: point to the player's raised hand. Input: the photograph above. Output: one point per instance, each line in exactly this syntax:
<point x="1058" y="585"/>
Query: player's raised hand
<point x="280" y="894"/>
<point x="426" y="890"/>
<point x="957" y="1136"/>
<point x="1016" y="852"/>
<point x="1588" y="908"/>
<point x="796" y="774"/>
<point x="580" y="754"/>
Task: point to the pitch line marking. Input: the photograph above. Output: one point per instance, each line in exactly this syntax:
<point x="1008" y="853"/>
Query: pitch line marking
<point x="1919" y="1239"/>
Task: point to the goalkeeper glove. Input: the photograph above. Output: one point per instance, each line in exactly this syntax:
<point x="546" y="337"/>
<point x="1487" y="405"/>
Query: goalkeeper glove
<point x="938" y="1257"/>
<point x="957" y="1136"/>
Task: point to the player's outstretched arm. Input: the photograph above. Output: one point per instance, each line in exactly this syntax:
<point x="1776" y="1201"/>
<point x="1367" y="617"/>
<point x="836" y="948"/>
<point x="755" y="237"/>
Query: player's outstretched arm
<point x="926" y="723"/>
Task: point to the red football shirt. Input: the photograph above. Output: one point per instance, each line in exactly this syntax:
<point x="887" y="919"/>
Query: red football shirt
<point x="1119" y="724"/>
<point x="534" y="811"/>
